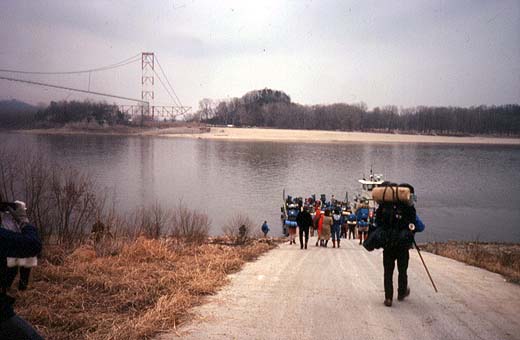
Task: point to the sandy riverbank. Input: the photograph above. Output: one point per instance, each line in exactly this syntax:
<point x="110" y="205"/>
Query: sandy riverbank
<point x="316" y="136"/>
<point x="278" y="135"/>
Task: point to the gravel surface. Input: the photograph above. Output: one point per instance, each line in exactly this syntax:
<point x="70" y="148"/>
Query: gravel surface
<point x="321" y="293"/>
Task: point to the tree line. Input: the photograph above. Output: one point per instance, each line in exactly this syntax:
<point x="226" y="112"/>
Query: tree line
<point x="16" y="114"/>
<point x="271" y="108"/>
<point x="63" y="112"/>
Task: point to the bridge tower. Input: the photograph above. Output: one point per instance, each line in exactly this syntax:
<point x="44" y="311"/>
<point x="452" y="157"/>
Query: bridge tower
<point x="147" y="81"/>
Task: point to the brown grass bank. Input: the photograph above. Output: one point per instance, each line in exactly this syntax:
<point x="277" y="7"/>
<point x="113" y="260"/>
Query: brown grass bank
<point x="146" y="287"/>
<point x="501" y="258"/>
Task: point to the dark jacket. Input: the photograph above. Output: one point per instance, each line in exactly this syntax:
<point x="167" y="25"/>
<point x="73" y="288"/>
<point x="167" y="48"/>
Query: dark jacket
<point x="12" y="244"/>
<point x="304" y="219"/>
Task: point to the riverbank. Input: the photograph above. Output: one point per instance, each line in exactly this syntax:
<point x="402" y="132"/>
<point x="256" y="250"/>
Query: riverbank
<point x="501" y="258"/>
<point x="317" y="136"/>
<point x="120" y="130"/>
<point x="276" y="135"/>
<point x="132" y="291"/>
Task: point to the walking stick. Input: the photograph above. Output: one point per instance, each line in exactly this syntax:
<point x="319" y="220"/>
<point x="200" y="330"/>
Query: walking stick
<point x="424" y="264"/>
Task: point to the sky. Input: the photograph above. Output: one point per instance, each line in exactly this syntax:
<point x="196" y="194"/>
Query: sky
<point x="404" y="53"/>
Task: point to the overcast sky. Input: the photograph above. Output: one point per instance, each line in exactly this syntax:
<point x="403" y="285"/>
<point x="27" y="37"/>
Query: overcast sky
<point x="403" y="53"/>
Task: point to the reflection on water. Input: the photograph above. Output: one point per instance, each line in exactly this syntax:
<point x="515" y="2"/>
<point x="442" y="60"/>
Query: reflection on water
<point x="465" y="192"/>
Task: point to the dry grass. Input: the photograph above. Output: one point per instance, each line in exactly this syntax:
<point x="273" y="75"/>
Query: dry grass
<point x="501" y="258"/>
<point x="147" y="287"/>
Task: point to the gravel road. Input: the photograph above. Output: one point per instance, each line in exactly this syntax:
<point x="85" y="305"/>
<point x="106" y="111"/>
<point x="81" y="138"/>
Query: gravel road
<point x="321" y="293"/>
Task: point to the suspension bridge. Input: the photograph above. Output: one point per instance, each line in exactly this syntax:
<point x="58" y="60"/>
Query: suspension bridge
<point x="151" y="70"/>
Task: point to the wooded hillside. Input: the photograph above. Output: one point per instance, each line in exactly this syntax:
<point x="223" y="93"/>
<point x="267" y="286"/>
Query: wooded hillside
<point x="271" y="108"/>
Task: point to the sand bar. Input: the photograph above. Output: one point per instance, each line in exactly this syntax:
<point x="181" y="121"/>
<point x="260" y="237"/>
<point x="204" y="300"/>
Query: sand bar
<point x="318" y="136"/>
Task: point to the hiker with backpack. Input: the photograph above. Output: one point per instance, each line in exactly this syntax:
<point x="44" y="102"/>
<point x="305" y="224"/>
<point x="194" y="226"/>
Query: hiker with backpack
<point x="396" y="223"/>
<point x="337" y="222"/>
<point x="362" y="223"/>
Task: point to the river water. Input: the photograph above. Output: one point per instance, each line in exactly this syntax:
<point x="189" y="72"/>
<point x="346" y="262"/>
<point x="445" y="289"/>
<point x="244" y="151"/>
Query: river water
<point x="465" y="192"/>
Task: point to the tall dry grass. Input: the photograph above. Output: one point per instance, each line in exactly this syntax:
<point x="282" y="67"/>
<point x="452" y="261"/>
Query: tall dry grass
<point x="149" y="286"/>
<point x="501" y="258"/>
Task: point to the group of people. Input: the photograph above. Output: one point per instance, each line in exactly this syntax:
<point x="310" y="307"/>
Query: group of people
<point x="330" y="222"/>
<point x="393" y="225"/>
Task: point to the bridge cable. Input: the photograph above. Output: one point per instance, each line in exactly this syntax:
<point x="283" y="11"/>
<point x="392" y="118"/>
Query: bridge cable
<point x="165" y="87"/>
<point x="171" y="87"/>
<point x="73" y="89"/>
<point x="124" y="62"/>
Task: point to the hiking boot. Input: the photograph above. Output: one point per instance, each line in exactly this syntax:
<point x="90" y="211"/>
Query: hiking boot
<point x="388" y="302"/>
<point x="333" y="244"/>
<point x="338" y="243"/>
<point x="402" y="297"/>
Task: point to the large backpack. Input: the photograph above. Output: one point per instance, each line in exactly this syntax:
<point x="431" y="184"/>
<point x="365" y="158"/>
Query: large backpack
<point x="394" y="218"/>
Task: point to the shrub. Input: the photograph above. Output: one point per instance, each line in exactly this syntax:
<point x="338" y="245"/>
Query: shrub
<point x="190" y="225"/>
<point x="239" y="228"/>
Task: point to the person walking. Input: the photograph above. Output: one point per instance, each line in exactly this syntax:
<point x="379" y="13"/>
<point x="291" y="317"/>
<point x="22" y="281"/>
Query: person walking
<point x="326" y="228"/>
<point x="362" y="223"/>
<point x="337" y="222"/>
<point x="400" y="222"/>
<point x="351" y="224"/>
<point x="304" y="221"/>
<point x="344" y="226"/>
<point x="292" y="225"/>
<point x="265" y="228"/>
<point x="318" y="224"/>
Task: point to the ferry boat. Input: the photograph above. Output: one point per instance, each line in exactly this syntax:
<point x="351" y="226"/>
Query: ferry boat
<point x="367" y="185"/>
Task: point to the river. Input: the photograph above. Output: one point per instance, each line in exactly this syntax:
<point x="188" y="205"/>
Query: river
<point x="465" y="192"/>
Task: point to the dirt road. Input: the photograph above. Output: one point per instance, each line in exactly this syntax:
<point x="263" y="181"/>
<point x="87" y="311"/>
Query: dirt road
<point x="330" y="293"/>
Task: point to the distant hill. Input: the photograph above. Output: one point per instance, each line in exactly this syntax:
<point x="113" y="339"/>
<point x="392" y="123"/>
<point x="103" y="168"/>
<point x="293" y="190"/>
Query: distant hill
<point x="13" y="105"/>
<point x="15" y="113"/>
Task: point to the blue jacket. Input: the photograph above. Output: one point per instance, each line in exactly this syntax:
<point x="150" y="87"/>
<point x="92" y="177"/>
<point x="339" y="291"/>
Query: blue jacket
<point x="419" y="225"/>
<point x="351" y="217"/>
<point x="12" y="244"/>
<point x="362" y="214"/>
<point x="265" y="228"/>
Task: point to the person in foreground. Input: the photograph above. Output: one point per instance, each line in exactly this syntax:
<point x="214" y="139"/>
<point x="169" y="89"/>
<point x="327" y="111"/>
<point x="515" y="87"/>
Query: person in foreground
<point x="24" y="244"/>
<point x="396" y="225"/>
